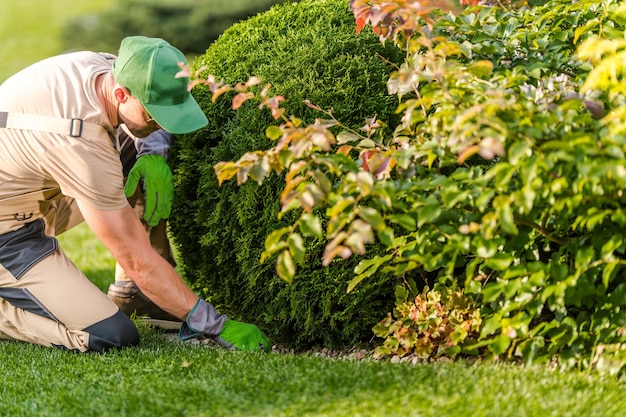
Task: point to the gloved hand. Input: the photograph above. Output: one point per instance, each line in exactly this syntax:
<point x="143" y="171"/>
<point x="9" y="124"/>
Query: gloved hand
<point x="243" y="336"/>
<point x="159" y="186"/>
<point x="204" y="320"/>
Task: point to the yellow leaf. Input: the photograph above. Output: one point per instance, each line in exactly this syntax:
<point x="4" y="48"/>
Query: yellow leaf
<point x="285" y="267"/>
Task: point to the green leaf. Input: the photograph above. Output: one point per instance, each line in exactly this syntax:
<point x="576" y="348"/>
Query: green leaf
<point x="500" y="261"/>
<point x="273" y="132"/>
<point x="310" y="225"/>
<point x="407" y="221"/>
<point x="386" y="236"/>
<point x="296" y="247"/>
<point x="367" y="268"/>
<point x="584" y="28"/>
<point x="381" y="330"/>
<point x="558" y="271"/>
<point x="355" y="281"/>
<point x="371" y="265"/>
<point x="500" y="344"/>
<point x="608" y="273"/>
<point x="285" y="267"/>
<point x="505" y="213"/>
<point x="428" y="214"/>
<point x="340" y="206"/>
<point x="273" y="243"/>
<point x="484" y="248"/>
<point x="619" y="14"/>
<point x="490" y="325"/>
<point x="260" y="170"/>
<point x="481" y="68"/>
<point x="346" y="137"/>
<point x="402" y="294"/>
<point x="371" y="216"/>
<point x="584" y="256"/>
<point x="274" y="238"/>
<point x="367" y="143"/>
<point x="519" y="150"/>
<point x="337" y="223"/>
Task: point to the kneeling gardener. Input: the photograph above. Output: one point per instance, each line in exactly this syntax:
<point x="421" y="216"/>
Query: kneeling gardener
<point x="60" y="165"/>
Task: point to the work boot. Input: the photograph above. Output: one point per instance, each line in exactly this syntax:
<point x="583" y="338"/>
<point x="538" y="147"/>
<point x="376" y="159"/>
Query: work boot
<point x="130" y="299"/>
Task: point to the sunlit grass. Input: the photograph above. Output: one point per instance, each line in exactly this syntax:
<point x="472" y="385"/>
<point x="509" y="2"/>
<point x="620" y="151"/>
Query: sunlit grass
<point x="168" y="378"/>
<point x="30" y="29"/>
<point x="89" y="254"/>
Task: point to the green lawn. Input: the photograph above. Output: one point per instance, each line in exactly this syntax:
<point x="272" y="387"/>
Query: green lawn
<point x="163" y="377"/>
<point x="29" y="29"/>
<point x="166" y="378"/>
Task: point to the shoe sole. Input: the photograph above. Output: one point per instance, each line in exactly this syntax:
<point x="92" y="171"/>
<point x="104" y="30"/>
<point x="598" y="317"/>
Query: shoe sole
<point x="161" y="324"/>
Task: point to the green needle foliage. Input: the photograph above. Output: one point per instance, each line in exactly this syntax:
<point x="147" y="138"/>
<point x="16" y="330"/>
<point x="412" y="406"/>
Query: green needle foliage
<point x="307" y="51"/>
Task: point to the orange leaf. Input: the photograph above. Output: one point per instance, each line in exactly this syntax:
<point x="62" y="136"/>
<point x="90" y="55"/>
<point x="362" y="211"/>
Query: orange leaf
<point x="184" y="70"/>
<point x="331" y="252"/>
<point x="219" y="91"/>
<point x="193" y="83"/>
<point x="345" y="149"/>
<point x="360" y="24"/>
<point x="252" y="81"/>
<point x="241" y="98"/>
<point x="466" y="153"/>
<point x="277" y="113"/>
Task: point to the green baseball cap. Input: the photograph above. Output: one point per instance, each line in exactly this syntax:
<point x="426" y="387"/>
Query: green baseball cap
<point x="147" y="67"/>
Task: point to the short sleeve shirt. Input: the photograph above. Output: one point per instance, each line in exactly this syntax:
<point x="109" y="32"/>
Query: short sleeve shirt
<point x="38" y="167"/>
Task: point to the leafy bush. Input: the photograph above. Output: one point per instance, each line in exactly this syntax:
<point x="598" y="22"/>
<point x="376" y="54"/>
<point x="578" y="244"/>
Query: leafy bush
<point x="190" y="25"/>
<point x="505" y="176"/>
<point x="307" y="51"/>
<point x="435" y="323"/>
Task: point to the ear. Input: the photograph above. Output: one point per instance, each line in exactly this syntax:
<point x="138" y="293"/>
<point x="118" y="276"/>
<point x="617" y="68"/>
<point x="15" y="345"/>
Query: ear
<point x="121" y="94"/>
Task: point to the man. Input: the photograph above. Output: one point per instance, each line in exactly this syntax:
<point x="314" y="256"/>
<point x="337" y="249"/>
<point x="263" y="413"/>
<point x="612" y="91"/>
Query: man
<point x="60" y="165"/>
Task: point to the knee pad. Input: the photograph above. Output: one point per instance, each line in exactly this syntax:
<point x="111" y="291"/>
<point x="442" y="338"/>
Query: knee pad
<point x="115" y="332"/>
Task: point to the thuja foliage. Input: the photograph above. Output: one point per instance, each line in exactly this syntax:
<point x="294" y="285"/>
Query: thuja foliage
<point x="505" y="176"/>
<point x="306" y="50"/>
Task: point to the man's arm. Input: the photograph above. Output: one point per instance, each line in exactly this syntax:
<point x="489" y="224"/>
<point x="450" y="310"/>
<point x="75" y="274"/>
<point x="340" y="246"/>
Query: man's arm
<point x="124" y="235"/>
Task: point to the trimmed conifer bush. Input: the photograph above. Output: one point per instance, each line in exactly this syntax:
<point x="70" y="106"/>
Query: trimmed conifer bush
<point x="307" y="51"/>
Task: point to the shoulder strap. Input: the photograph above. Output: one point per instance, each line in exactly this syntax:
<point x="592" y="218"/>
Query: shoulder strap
<point x="70" y="127"/>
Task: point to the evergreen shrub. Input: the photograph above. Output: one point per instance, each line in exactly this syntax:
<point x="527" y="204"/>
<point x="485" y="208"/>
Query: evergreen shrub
<point x="307" y="51"/>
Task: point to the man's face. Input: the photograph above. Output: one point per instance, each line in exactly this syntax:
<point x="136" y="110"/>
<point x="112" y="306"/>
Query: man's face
<point x="137" y="118"/>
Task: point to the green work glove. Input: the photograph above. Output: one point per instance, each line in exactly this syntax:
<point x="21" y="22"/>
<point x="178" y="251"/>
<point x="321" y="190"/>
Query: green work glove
<point x="158" y="183"/>
<point x="205" y="320"/>
<point x="243" y="336"/>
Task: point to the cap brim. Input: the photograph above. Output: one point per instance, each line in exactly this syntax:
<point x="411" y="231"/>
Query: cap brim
<point x="179" y="119"/>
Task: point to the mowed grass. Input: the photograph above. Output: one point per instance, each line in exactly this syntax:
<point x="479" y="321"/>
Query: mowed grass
<point x="167" y="378"/>
<point x="163" y="377"/>
<point x="90" y="255"/>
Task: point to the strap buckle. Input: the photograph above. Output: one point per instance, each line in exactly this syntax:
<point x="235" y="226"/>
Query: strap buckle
<point x="76" y="128"/>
